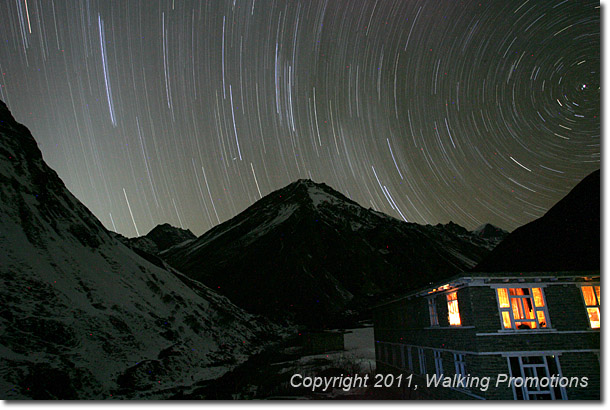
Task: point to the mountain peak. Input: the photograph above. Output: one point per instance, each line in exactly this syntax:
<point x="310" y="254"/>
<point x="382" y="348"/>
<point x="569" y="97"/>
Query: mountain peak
<point x="316" y="194"/>
<point x="160" y="238"/>
<point x="306" y="251"/>
<point x="166" y="227"/>
<point x="306" y="181"/>
<point x="488" y="230"/>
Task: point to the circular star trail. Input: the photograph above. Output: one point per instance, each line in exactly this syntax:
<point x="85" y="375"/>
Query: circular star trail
<point x="188" y="112"/>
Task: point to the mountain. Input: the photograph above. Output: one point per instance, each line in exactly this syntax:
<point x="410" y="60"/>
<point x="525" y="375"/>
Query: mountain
<point x="160" y="238"/>
<point x="306" y="252"/>
<point x="490" y="232"/>
<point x="84" y="317"/>
<point x="566" y="238"/>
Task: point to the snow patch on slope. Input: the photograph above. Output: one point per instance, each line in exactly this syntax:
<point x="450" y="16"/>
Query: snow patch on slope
<point x="81" y="315"/>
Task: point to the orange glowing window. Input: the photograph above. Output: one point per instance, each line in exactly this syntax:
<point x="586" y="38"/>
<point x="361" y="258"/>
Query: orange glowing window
<point x="454" y="311"/>
<point x="591" y="297"/>
<point x="522" y="308"/>
<point x="594" y="317"/>
<point x="506" y="320"/>
<point x="597" y="293"/>
<point x="541" y="318"/>
<point x="503" y="298"/>
<point x="538" y="299"/>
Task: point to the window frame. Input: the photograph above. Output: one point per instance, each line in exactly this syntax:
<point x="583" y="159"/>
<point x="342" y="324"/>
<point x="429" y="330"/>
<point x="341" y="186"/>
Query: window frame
<point x="509" y="309"/>
<point x="421" y="356"/>
<point x="432" y="311"/>
<point x="438" y="363"/>
<point x="459" y="360"/>
<point x="524" y="390"/>
<point x="597" y="299"/>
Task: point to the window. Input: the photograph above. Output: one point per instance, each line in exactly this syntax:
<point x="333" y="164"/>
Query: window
<point x="536" y="371"/>
<point x="402" y="357"/>
<point x="396" y="356"/>
<point x="410" y="358"/>
<point x="438" y="363"/>
<point x="454" y="311"/>
<point x="432" y="309"/>
<point x="460" y="364"/>
<point x="422" y="360"/>
<point x="591" y="297"/>
<point x="522" y="308"/>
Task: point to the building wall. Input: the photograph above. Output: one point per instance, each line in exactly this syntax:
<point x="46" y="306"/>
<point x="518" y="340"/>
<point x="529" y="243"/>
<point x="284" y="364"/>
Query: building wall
<point x="408" y="321"/>
<point x="579" y="365"/>
<point x="485" y="344"/>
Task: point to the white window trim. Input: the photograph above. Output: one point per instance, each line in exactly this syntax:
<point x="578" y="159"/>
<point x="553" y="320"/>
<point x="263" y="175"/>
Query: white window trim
<point x="432" y="311"/>
<point x="459" y="360"/>
<point x="510" y="309"/>
<point x="524" y="390"/>
<point x="438" y="363"/>
<point x="421" y="355"/>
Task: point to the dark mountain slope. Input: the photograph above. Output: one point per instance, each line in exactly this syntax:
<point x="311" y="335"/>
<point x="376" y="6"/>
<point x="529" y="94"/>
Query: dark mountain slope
<point x="566" y="238"/>
<point x="84" y="317"/>
<point x="307" y="252"/>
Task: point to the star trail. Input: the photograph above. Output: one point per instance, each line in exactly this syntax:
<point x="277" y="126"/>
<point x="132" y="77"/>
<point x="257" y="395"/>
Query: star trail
<point x="188" y="112"/>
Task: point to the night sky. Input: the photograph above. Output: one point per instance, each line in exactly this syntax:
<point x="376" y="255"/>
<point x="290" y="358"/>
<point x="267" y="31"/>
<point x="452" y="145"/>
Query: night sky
<point x="188" y="111"/>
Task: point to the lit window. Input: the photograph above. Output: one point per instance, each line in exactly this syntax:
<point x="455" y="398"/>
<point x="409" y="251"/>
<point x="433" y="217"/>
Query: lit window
<point x="454" y="311"/>
<point x="592" y="303"/>
<point x="522" y="308"/>
<point x="432" y="310"/>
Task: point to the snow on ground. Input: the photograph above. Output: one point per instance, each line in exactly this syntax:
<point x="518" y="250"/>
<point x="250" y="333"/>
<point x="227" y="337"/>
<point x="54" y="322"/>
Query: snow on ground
<point x="359" y="349"/>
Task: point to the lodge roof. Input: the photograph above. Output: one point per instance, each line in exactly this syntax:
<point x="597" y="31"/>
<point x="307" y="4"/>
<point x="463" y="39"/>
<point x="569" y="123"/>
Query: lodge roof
<point x="467" y="278"/>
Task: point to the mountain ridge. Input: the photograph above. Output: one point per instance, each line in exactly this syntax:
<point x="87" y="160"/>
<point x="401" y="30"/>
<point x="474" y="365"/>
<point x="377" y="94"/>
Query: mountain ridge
<point x="565" y="238"/>
<point x="84" y="317"/>
<point x="307" y="237"/>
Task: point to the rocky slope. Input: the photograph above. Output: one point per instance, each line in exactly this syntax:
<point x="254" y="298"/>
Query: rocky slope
<point x="84" y="317"/>
<point x="159" y="239"/>
<point x="308" y="253"/>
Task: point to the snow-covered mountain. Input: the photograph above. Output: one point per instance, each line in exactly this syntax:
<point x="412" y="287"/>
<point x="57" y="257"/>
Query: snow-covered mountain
<point x="566" y="238"/>
<point x="491" y="232"/>
<point x="160" y="238"/>
<point x="81" y="315"/>
<point x="308" y="252"/>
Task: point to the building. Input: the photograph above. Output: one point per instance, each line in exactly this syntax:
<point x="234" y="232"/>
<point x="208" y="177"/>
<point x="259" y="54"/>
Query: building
<point x="496" y="336"/>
